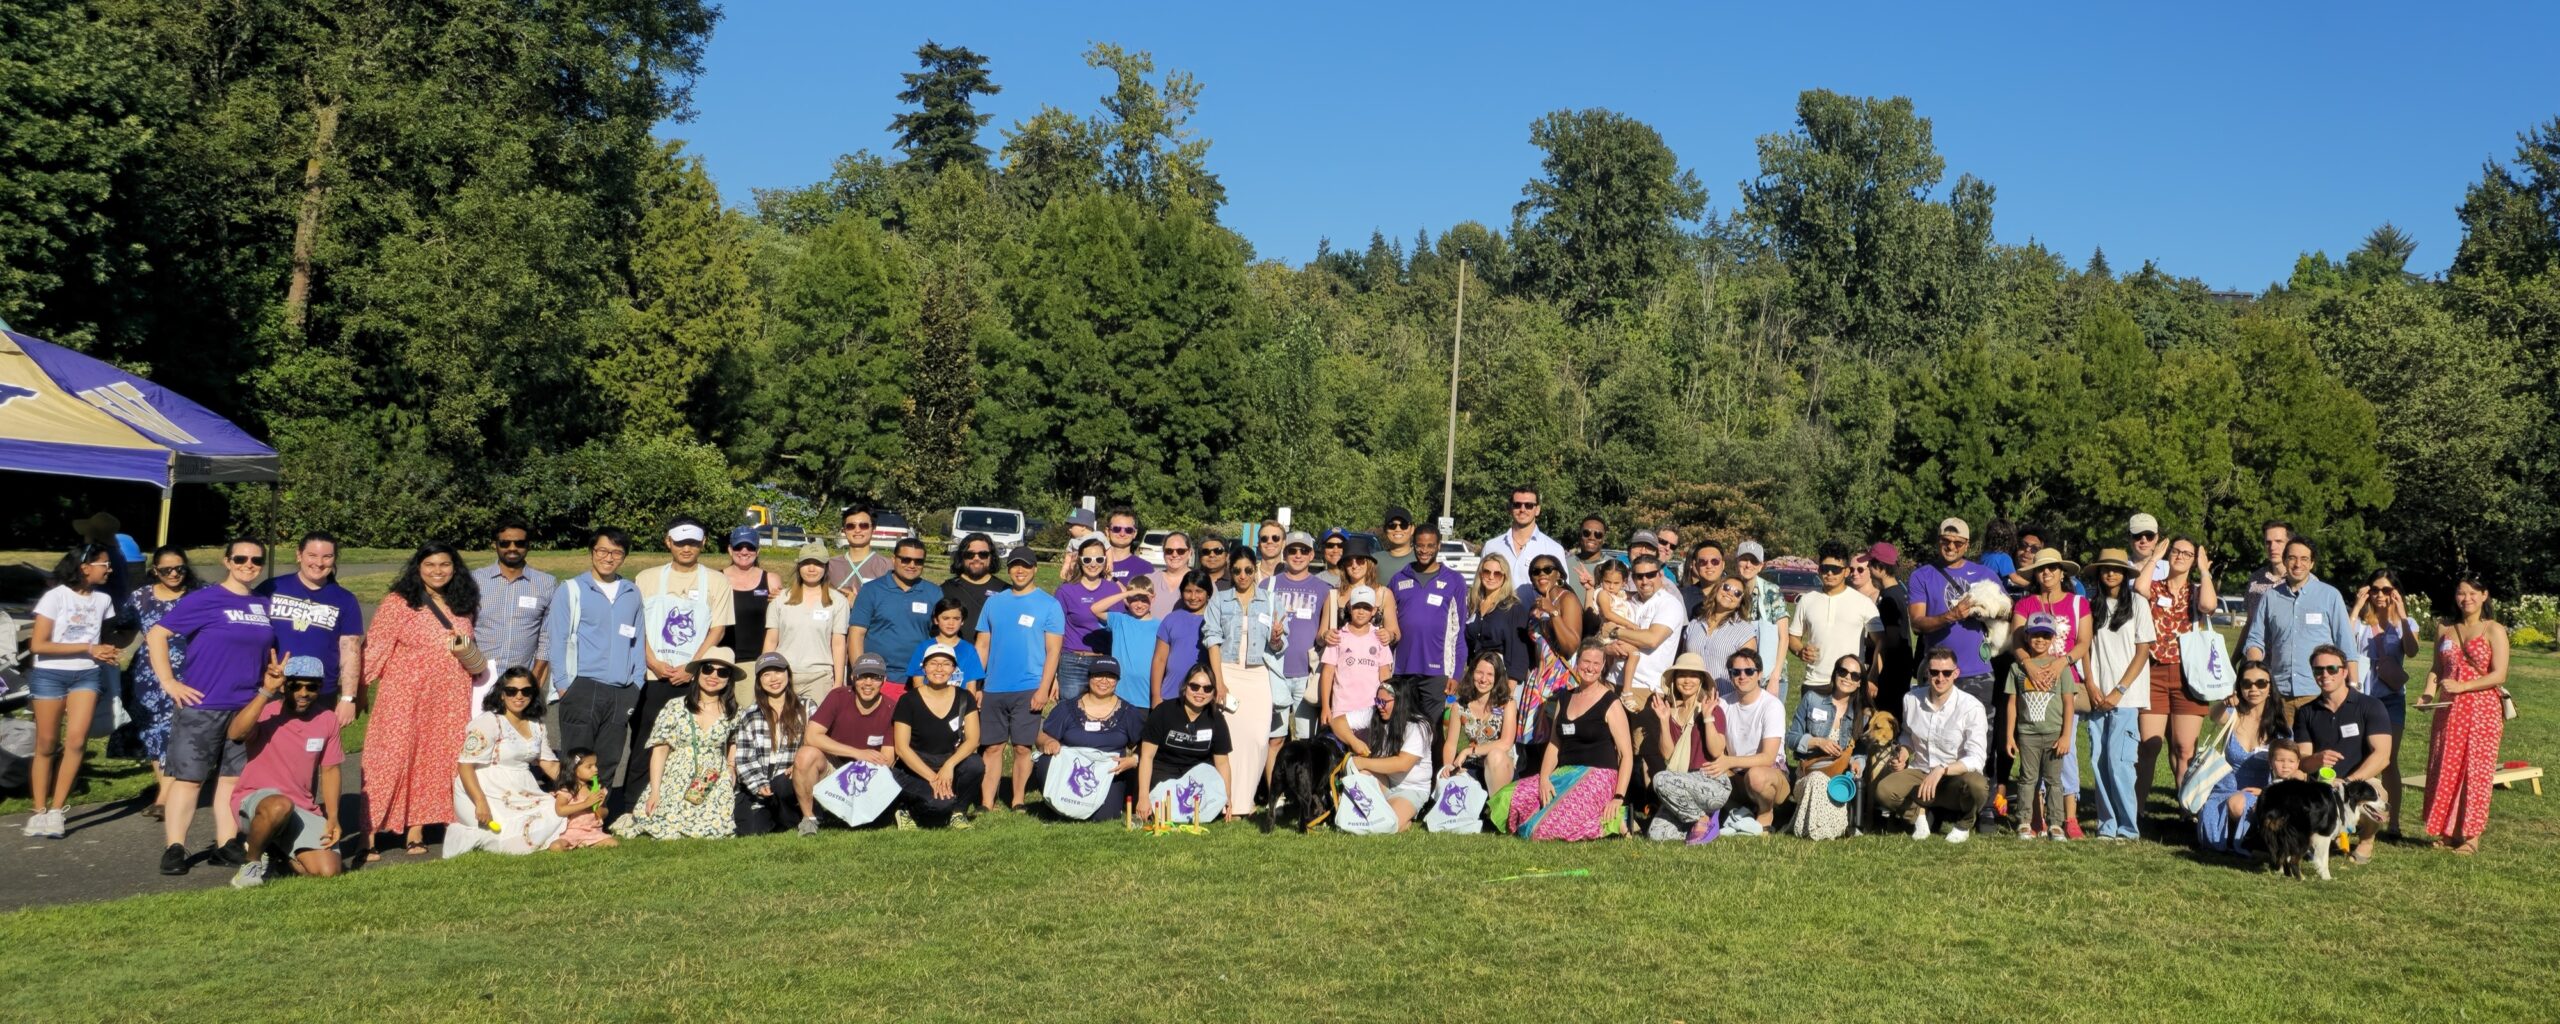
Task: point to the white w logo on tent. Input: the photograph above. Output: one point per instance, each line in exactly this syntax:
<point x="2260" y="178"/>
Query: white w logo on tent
<point x="125" y="402"/>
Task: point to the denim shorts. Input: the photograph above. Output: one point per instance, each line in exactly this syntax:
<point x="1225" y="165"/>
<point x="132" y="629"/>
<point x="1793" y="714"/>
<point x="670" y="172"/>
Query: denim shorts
<point x="57" y="683"/>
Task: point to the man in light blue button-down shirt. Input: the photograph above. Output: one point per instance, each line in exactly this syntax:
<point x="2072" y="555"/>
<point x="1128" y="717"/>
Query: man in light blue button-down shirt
<point x="2294" y="617"/>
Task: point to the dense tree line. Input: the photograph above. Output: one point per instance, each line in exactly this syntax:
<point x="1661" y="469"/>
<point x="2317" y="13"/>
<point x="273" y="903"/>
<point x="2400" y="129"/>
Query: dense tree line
<point x="435" y="252"/>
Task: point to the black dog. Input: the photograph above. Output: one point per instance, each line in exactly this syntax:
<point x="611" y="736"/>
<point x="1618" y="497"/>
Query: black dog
<point x="2298" y="818"/>
<point x="1302" y="784"/>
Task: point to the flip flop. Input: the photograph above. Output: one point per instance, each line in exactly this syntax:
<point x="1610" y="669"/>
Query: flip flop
<point x="415" y="849"/>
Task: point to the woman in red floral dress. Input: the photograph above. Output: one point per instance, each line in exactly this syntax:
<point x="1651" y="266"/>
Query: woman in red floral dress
<point x="2462" y="753"/>
<point x="421" y="695"/>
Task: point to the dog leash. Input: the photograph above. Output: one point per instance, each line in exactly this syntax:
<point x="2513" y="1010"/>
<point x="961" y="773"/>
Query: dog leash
<point x="1333" y="785"/>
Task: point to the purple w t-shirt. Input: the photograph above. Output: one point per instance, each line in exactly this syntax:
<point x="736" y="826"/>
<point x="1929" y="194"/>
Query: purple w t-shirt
<point x="228" y="637"/>
<point x="1936" y="589"/>
<point x="1299" y="603"/>
<point x="1085" y="631"/>
<point x="310" y="621"/>
<point x="1431" y="620"/>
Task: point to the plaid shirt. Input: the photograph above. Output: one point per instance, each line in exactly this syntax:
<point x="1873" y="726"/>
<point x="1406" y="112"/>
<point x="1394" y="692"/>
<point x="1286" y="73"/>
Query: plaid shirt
<point x="761" y="756"/>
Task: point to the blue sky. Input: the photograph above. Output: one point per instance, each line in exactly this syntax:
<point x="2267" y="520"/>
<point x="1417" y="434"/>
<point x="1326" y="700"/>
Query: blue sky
<point x="2221" y="140"/>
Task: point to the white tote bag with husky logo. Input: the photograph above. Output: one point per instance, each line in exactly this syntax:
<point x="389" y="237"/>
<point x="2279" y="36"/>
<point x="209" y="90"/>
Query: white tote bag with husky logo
<point x="1197" y="797"/>
<point x="1457" y="805"/>
<point x="858" y="793"/>
<point x="1079" y="780"/>
<point x="1361" y="807"/>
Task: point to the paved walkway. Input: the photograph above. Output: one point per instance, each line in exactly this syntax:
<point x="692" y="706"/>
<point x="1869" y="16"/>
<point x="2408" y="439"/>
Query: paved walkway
<point x="113" y="851"/>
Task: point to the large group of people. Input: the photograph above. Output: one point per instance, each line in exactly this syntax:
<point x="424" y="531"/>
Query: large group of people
<point x="1561" y="693"/>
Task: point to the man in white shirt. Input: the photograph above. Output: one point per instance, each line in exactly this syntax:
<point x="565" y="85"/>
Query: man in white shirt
<point x="1524" y="541"/>
<point x="1833" y="622"/>
<point x="1653" y="641"/>
<point x="1939" y="765"/>
<point x="1755" y="736"/>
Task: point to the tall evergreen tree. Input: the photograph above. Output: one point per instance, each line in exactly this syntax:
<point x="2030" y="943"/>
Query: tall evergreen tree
<point x="942" y="131"/>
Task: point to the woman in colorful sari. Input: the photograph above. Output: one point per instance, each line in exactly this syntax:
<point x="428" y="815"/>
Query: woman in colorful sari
<point x="1582" y="779"/>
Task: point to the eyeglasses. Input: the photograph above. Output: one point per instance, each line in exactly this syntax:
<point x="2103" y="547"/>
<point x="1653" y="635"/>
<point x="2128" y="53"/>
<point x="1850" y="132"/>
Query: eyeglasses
<point x="1198" y="688"/>
<point x="977" y="554"/>
<point x="302" y="686"/>
<point x="1122" y="530"/>
<point x="1827" y="569"/>
<point x="505" y="544"/>
<point x="1743" y="671"/>
<point x="910" y="560"/>
<point x="1518" y="505"/>
<point x="605" y="552"/>
<point x="247" y="559"/>
<point x="2327" y="670"/>
<point x="515" y="691"/>
<point x="1653" y="575"/>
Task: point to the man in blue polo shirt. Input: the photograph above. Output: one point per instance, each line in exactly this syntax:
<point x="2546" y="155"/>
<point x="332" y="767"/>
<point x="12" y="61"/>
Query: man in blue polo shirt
<point x="314" y="617"/>
<point x="1020" y="631"/>
<point x="1431" y="620"/>
<point x="893" y="615"/>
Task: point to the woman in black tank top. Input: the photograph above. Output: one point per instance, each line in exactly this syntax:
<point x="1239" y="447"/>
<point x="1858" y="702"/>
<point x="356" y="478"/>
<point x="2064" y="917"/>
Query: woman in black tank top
<point x="1588" y="742"/>
<point x="1581" y="785"/>
<point x="751" y="588"/>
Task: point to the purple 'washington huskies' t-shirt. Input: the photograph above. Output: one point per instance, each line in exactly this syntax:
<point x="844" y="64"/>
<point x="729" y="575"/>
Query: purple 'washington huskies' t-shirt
<point x="1431" y="615"/>
<point x="1298" y="603"/>
<point x="228" y="637"/>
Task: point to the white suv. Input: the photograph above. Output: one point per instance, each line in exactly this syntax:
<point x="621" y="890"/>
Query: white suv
<point x="1005" y="526"/>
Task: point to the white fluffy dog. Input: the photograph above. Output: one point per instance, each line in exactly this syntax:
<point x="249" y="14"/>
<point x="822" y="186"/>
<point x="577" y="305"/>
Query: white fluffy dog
<point x="1991" y="608"/>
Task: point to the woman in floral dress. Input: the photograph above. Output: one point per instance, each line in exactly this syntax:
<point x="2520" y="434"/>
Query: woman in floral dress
<point x="171" y="578"/>
<point x="495" y="784"/>
<point x="421" y="695"/>
<point x="2462" y="754"/>
<point x="690" y="781"/>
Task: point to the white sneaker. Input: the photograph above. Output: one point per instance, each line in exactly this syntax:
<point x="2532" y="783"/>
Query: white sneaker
<point x="809" y="825"/>
<point x="2027" y="832"/>
<point x="36" y="826"/>
<point x="251" y="874"/>
<point x="1920" y="825"/>
<point x="58" y="823"/>
<point x="1958" y="834"/>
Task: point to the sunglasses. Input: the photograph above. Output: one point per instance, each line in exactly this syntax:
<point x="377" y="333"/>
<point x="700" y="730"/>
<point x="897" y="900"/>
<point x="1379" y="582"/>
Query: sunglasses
<point x="977" y="554"/>
<point x="505" y="544"/>
<point x="1177" y="551"/>
<point x="1730" y="592"/>
<point x="1517" y="505"/>
<point x="1595" y="534"/>
<point x="1941" y="674"/>
<point x="247" y="559"/>
<point x="910" y="560"/>
<point x="1271" y="538"/>
<point x="1212" y="551"/>
<point x="1829" y="569"/>
<point x="1491" y="571"/>
<point x="1123" y="530"/>
<point x="1546" y="570"/>
<point x="1198" y="688"/>
<point x="1333" y="544"/>
<point x="1653" y="575"/>
<point x="302" y="686"/>
<point x="515" y="691"/>
<point x="857" y="526"/>
<point x="742" y="547"/>
<point x="170" y="570"/>
<point x="1855" y="677"/>
<point x="1398" y="524"/>
<point x="2386" y="590"/>
<point x="2258" y="682"/>
<point x="1743" y="672"/>
<point x="1244" y="570"/>
<point x="2327" y="670"/>
<point x="2146" y="535"/>
<point x="1095" y="561"/>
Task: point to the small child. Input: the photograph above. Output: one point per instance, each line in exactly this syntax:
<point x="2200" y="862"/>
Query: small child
<point x="1355" y="665"/>
<point x="2040" y="723"/>
<point x="1133" y="638"/>
<point x="578" y="798"/>
<point x="2285" y="762"/>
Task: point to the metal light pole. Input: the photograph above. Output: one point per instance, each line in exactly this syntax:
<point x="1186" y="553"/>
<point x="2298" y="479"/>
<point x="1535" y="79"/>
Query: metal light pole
<point x="1457" y="334"/>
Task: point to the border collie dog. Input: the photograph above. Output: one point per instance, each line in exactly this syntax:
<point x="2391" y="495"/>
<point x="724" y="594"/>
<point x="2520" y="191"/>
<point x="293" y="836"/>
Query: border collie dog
<point x="1302" y="784"/>
<point x="2299" y="818"/>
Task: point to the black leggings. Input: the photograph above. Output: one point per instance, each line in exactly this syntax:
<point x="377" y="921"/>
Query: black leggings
<point x="758" y="815"/>
<point x="920" y="802"/>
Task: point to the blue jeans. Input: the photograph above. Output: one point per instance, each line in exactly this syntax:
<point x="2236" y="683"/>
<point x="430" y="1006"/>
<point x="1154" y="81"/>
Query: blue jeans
<point x="57" y="683"/>
<point x="1293" y="715"/>
<point x="1075" y="669"/>
<point x="2115" y="738"/>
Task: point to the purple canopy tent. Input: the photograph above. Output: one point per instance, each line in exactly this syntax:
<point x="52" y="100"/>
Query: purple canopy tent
<point x="64" y="413"/>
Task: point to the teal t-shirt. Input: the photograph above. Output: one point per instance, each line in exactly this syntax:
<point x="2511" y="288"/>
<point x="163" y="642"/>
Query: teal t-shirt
<point x="1133" y="645"/>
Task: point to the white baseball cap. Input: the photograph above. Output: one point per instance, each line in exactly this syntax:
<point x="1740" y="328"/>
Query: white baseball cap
<point x="685" y="532"/>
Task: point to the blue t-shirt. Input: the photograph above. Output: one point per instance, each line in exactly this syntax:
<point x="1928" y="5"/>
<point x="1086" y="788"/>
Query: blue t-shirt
<point x="1133" y="645"/>
<point x="1936" y="589"/>
<point x="1180" y="633"/>
<point x="228" y="637"/>
<point x="310" y="622"/>
<point x="2001" y="566"/>
<point x="965" y="666"/>
<point x="1084" y="628"/>
<point x="1068" y="725"/>
<point x="1017" y="628"/>
<point x="894" y="622"/>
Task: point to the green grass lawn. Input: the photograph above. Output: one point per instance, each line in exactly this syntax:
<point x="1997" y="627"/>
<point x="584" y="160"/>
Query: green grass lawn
<point x="1024" y="921"/>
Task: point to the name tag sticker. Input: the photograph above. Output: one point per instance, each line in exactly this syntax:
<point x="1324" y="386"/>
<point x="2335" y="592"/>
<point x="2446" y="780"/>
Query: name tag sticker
<point x="1306" y="613"/>
<point x="818" y="615"/>
<point x="2350" y="730"/>
<point x="526" y="602"/>
<point x="2162" y="600"/>
<point x="916" y="607"/>
<point x="878" y="740"/>
<point x="1568" y="729"/>
<point x="629" y="631"/>
<point x="2312" y="618"/>
<point x="1404" y="584"/>
<point x="1204" y="736"/>
<point x="1023" y="620"/>
<point x="315" y="744"/>
<point x="1093" y="727"/>
<point x="1435" y="600"/>
<point x="1821" y="713"/>
<point x="955" y="724"/>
